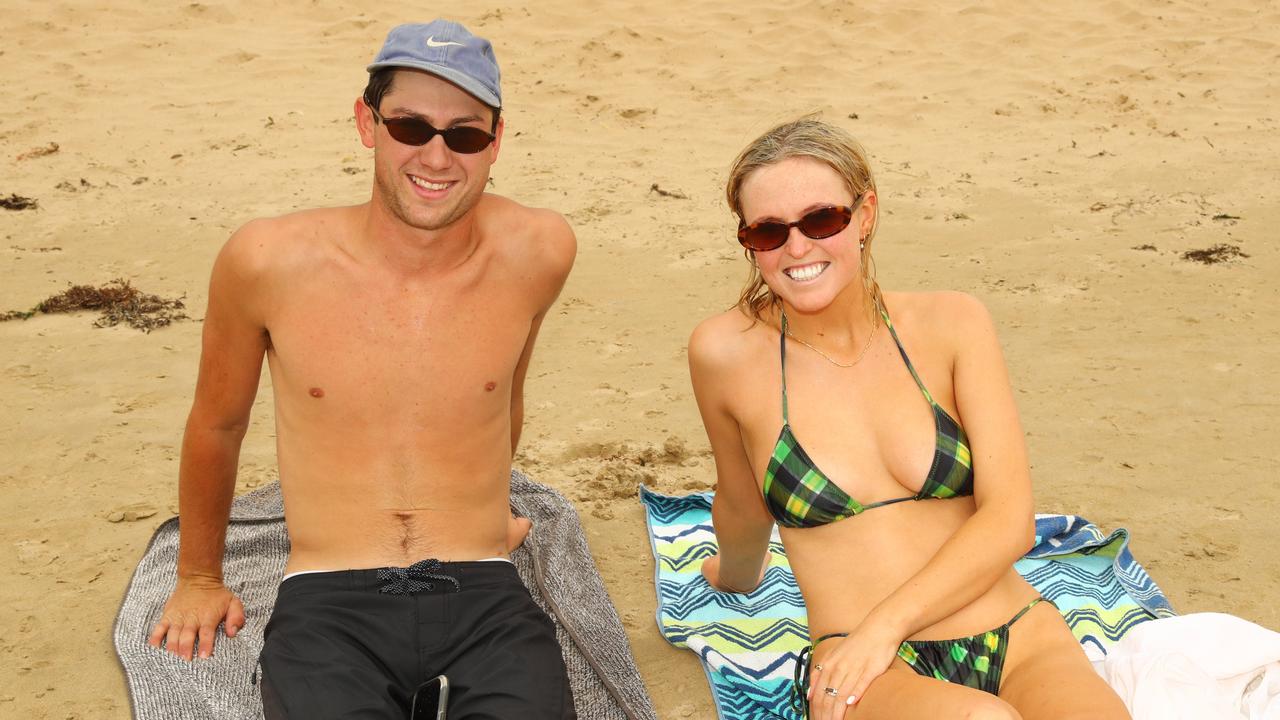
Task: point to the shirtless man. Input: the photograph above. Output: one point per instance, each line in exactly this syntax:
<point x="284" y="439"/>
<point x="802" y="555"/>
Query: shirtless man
<point x="398" y="333"/>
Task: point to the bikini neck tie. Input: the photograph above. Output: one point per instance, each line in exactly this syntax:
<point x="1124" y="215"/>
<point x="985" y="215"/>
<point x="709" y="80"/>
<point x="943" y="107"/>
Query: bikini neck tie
<point x="415" y="578"/>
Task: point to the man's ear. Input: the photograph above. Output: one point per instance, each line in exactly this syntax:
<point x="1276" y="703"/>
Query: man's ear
<point x="365" y="122"/>
<point x="497" y="140"/>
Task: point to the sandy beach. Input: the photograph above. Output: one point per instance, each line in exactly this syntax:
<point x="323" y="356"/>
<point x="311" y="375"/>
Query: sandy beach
<point x="1062" y="162"/>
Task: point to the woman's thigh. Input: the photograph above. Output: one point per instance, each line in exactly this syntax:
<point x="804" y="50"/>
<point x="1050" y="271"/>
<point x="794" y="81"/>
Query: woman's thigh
<point x="1047" y="674"/>
<point x="1061" y="686"/>
<point x="903" y="694"/>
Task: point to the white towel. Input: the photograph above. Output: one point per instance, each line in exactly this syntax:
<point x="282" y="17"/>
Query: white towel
<point x="1202" y="666"/>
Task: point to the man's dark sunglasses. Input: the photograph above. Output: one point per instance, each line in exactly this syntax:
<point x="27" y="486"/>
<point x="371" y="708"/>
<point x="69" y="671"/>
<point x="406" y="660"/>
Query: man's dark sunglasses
<point x="416" y="131"/>
<point x="818" y="223"/>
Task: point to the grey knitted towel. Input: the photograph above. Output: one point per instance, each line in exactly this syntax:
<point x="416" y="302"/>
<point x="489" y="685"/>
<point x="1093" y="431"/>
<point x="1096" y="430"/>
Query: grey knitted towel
<point x="554" y="564"/>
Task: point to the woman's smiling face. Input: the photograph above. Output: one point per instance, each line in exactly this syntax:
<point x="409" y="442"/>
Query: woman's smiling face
<point x="807" y="274"/>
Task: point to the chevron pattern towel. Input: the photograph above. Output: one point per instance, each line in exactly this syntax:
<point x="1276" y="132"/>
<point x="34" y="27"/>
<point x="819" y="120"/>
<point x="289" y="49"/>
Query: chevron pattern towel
<point x="748" y="643"/>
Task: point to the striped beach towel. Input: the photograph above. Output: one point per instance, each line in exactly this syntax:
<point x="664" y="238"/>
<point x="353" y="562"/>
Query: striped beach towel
<point x="748" y="643"/>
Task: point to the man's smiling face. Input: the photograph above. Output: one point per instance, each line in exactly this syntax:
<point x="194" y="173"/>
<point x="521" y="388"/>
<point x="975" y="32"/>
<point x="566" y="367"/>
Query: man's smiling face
<point x="428" y="187"/>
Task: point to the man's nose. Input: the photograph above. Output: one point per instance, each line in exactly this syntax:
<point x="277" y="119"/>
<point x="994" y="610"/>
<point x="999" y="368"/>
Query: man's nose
<point x="435" y="154"/>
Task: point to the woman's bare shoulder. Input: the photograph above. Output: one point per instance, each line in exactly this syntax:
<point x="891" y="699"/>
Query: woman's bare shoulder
<point x="943" y="314"/>
<point x="725" y="339"/>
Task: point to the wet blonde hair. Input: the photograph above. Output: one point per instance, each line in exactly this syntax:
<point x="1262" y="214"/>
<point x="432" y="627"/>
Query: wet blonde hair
<point x="811" y="138"/>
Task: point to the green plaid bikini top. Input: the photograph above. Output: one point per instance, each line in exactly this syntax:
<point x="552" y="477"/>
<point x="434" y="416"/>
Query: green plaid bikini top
<point x="799" y="495"/>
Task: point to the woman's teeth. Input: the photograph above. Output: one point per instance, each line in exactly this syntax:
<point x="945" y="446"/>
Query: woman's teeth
<point x="806" y="272"/>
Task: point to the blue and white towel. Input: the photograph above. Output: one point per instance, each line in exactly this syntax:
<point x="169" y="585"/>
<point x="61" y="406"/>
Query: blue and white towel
<point x="748" y="643"/>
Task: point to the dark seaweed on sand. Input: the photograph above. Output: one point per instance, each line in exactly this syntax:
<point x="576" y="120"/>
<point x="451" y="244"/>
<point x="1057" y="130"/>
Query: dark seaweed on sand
<point x="118" y="301"/>
<point x="17" y="202"/>
<point x="1219" y="253"/>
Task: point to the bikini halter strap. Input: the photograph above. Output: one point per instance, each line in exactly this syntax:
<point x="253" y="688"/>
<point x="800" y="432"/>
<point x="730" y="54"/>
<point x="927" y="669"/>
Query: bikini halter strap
<point x="903" y="352"/>
<point x="782" y="351"/>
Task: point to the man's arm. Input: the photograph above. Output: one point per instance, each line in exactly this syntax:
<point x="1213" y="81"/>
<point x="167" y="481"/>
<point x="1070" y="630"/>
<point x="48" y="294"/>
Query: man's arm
<point x="557" y="247"/>
<point x="234" y="341"/>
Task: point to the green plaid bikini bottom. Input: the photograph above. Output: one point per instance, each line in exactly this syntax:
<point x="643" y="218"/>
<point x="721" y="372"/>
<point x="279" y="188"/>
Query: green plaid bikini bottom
<point x="975" y="661"/>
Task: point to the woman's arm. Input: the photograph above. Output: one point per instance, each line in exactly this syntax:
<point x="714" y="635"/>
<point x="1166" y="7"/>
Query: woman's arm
<point x="1003" y="527"/>
<point x="983" y="549"/>
<point x="742" y="524"/>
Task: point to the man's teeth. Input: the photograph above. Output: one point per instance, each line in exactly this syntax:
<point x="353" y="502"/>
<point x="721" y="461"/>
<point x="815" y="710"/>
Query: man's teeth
<point x="807" y="272"/>
<point x="428" y="184"/>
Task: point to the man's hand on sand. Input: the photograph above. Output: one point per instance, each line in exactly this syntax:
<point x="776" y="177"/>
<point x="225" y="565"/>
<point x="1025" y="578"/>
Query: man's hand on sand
<point x="193" y="613"/>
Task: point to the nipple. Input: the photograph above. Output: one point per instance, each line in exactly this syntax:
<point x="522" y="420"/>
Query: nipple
<point x="489" y="386"/>
<point x="317" y="392"/>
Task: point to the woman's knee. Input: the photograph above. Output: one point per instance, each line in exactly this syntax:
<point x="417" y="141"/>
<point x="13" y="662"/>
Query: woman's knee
<point x="988" y="707"/>
<point x="1110" y="712"/>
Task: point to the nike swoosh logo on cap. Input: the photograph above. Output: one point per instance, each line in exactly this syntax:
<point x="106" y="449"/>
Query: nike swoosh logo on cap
<point x="432" y="42"/>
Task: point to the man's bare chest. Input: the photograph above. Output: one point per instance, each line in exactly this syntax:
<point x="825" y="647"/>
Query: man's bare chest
<point x="381" y="351"/>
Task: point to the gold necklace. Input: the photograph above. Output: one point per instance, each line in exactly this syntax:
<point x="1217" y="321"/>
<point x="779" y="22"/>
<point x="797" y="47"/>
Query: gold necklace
<point x="871" y="335"/>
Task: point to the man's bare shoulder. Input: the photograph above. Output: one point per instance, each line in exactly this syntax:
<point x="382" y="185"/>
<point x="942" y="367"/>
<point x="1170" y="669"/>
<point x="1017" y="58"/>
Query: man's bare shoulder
<point x="533" y="237"/>
<point x="268" y="243"/>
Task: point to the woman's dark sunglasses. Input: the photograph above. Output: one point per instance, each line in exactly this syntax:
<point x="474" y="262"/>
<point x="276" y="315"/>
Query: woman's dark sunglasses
<point x="818" y="223"/>
<point x="415" y="131"/>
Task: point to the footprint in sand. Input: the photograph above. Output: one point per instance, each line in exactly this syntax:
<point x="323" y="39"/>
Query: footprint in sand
<point x="35" y="553"/>
<point x="132" y="512"/>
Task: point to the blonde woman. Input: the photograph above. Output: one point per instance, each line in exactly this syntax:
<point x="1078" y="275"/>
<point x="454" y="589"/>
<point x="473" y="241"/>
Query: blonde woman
<point x="880" y="432"/>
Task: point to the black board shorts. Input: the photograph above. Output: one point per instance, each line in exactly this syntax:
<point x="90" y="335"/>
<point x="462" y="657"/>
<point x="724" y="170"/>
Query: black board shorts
<point x="357" y="643"/>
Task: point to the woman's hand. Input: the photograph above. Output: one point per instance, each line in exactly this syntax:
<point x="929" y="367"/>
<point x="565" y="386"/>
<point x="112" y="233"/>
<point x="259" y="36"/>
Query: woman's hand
<point x="849" y="669"/>
<point x="711" y="571"/>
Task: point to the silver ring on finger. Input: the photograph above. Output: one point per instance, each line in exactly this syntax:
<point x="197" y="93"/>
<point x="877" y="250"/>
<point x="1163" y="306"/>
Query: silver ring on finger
<point x="831" y="691"/>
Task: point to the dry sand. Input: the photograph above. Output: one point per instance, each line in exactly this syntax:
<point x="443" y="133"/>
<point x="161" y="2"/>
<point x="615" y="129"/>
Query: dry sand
<point x="1056" y="160"/>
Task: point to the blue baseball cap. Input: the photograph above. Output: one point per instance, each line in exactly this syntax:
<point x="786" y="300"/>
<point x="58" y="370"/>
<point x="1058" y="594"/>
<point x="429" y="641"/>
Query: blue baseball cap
<point x="448" y="50"/>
